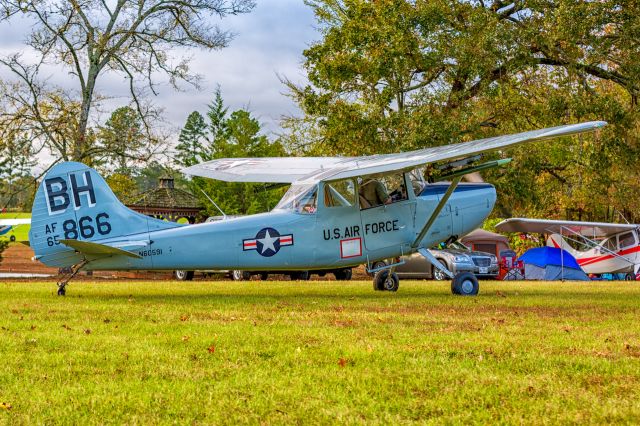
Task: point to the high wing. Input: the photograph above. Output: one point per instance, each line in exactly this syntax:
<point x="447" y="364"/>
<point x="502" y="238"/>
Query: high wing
<point x="314" y="169"/>
<point x="14" y="222"/>
<point x="542" y="226"/>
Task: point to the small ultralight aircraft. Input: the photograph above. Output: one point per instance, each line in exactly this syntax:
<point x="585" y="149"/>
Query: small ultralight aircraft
<point x="339" y="212"/>
<point x="605" y="247"/>
<point x="7" y="225"/>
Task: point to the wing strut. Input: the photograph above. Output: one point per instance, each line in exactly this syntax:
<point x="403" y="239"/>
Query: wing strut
<point x="435" y="262"/>
<point x="456" y="176"/>
<point x="436" y="212"/>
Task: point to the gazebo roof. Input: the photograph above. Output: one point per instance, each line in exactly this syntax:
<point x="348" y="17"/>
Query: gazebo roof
<point x="166" y="197"/>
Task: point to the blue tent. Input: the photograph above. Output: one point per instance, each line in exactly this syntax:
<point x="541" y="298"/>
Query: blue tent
<point x="551" y="263"/>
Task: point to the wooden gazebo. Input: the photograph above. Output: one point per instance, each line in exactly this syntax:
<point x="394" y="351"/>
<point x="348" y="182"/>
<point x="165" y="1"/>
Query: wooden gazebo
<point x="168" y="202"/>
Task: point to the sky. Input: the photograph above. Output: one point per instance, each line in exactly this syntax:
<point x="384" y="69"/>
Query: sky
<point x="269" y="42"/>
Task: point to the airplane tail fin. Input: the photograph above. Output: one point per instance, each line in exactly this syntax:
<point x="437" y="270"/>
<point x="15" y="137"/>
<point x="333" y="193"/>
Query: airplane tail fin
<point x="558" y="241"/>
<point x="74" y="202"/>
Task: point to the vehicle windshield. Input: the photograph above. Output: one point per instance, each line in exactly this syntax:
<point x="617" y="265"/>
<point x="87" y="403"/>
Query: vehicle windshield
<point x="299" y="199"/>
<point x="454" y="245"/>
<point x="458" y="245"/>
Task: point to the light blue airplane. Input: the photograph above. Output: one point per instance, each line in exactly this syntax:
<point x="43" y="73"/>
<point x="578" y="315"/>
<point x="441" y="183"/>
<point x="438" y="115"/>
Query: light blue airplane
<point x="339" y="212"/>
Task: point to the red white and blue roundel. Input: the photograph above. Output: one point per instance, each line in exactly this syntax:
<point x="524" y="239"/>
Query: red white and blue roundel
<point x="267" y="242"/>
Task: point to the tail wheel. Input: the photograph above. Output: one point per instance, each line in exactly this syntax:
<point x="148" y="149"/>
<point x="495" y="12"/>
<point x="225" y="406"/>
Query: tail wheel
<point x="181" y="275"/>
<point x="385" y="281"/>
<point x="465" y="284"/>
<point x="437" y="274"/>
<point x="12" y="238"/>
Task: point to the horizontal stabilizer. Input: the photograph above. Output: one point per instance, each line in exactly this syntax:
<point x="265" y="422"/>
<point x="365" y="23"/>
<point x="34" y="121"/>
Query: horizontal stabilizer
<point x="96" y="249"/>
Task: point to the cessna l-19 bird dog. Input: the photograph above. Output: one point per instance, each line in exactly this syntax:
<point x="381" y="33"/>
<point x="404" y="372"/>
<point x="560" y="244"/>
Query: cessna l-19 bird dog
<point x="336" y="214"/>
<point x="603" y="247"/>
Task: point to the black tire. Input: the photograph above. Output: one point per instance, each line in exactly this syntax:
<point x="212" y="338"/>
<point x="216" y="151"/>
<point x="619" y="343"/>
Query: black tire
<point x="238" y="275"/>
<point x="465" y="284"/>
<point x="264" y="276"/>
<point x="12" y="238"/>
<point x="383" y="281"/>
<point x="375" y="265"/>
<point x="629" y="277"/>
<point x="62" y="291"/>
<point x="182" y="275"/>
<point x="437" y="274"/>
<point x="343" y="274"/>
<point x="300" y="276"/>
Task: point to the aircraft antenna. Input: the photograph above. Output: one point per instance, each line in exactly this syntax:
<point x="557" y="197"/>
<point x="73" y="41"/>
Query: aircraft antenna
<point x="224" y="216"/>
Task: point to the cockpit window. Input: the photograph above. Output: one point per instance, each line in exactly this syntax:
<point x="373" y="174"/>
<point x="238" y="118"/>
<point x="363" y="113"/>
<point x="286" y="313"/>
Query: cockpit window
<point x="382" y="189"/>
<point x="340" y="193"/>
<point x="300" y="199"/>
<point x="610" y="245"/>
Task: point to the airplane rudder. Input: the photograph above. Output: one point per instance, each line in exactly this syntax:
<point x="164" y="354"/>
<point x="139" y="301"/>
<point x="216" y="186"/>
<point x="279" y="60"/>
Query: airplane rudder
<point x="73" y="202"/>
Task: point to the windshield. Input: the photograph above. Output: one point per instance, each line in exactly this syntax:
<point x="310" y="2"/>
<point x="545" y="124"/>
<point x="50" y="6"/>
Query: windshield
<point x="300" y="199"/>
<point x="453" y="245"/>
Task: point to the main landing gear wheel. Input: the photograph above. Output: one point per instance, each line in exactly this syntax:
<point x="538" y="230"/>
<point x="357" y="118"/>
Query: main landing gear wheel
<point x="264" y="276"/>
<point x="385" y="281"/>
<point x="465" y="284"/>
<point x="62" y="291"/>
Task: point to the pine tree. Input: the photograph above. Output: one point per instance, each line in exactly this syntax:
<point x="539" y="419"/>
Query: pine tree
<point x="190" y="149"/>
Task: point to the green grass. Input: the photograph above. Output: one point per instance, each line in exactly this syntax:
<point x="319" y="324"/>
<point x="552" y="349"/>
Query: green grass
<point x="21" y="232"/>
<point x="319" y="352"/>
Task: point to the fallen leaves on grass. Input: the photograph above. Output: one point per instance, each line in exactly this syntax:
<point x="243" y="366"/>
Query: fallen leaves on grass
<point x="184" y="317"/>
<point x="87" y="331"/>
<point x="5" y="406"/>
<point x="66" y="327"/>
<point x="185" y="338"/>
<point x="106" y="321"/>
<point x="211" y="349"/>
<point x="632" y="351"/>
<point x="33" y="327"/>
<point x="500" y="294"/>
<point x="342" y="362"/>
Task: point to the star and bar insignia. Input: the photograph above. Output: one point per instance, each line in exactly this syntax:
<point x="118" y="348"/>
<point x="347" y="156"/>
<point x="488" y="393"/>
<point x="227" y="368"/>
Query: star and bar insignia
<point x="267" y="242"/>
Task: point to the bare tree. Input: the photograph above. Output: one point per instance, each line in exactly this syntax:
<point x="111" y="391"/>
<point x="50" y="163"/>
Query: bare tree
<point x="90" y="37"/>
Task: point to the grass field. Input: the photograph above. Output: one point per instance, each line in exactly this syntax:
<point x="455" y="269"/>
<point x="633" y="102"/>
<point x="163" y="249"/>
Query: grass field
<point x="319" y="352"/>
<point x="21" y="232"/>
